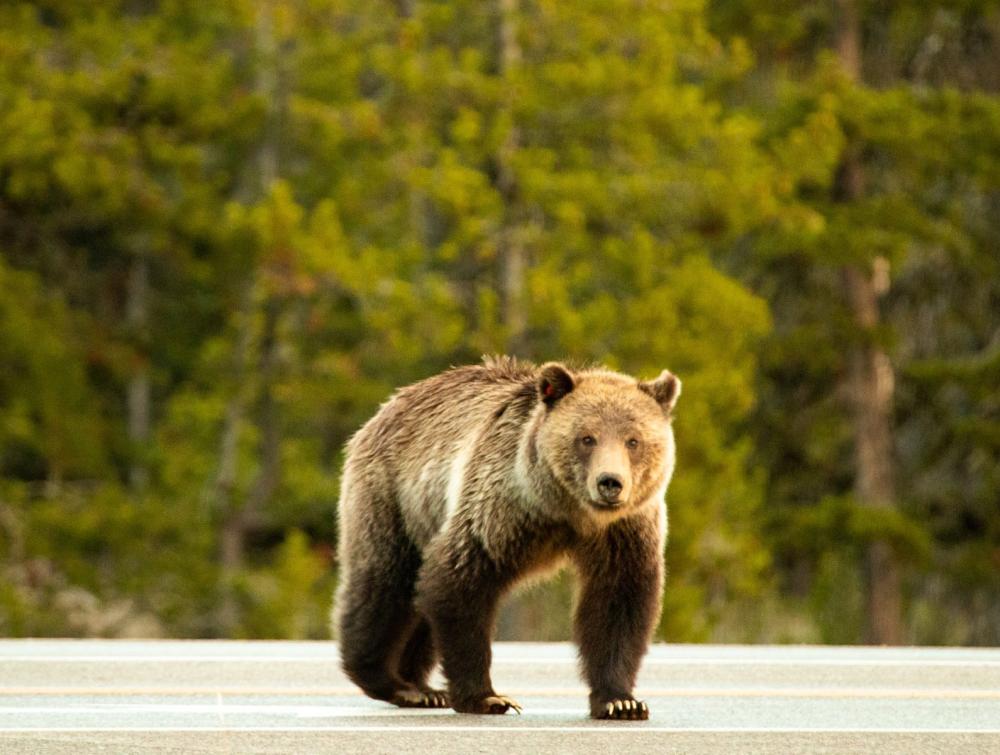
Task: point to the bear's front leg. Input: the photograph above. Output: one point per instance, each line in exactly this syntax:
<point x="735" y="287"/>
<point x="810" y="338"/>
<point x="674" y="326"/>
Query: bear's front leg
<point x="622" y="574"/>
<point x="458" y="590"/>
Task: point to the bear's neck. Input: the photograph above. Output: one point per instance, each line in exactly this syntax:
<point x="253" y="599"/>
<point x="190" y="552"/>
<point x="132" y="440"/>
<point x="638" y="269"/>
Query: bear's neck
<point x="541" y="491"/>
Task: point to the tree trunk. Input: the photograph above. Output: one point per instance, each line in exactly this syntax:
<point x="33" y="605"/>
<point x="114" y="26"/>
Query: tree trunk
<point x="849" y="38"/>
<point x="241" y="517"/>
<point x="513" y="259"/>
<point x="870" y="380"/>
<point x="238" y="517"/>
<point x="231" y="534"/>
<point x="871" y="385"/>
<point x="268" y="417"/>
<point x="138" y="391"/>
<point x="273" y="85"/>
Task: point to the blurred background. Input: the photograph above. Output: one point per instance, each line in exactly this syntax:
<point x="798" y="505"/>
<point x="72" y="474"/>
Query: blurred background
<point x="228" y="230"/>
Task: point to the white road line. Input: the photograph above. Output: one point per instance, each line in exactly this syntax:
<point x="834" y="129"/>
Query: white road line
<point x="501" y="662"/>
<point x="218" y="709"/>
<point x="622" y="727"/>
<point x="926" y="693"/>
<point x="300" y="711"/>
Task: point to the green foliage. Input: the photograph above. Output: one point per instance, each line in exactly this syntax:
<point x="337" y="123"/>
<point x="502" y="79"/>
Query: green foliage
<point x="327" y="200"/>
<point x="47" y="408"/>
<point x="290" y="598"/>
<point x="99" y="562"/>
<point x="923" y="124"/>
<point x="840" y="523"/>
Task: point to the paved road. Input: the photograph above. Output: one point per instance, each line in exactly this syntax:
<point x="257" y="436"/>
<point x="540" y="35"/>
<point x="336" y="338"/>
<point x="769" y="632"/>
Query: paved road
<point x="66" y="696"/>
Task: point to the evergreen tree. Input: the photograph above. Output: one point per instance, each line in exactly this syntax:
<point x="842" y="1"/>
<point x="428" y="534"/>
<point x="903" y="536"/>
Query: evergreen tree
<point x="887" y="104"/>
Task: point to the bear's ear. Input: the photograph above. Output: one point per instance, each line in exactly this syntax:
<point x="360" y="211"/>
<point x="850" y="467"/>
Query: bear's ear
<point x="554" y="382"/>
<point x="665" y="389"/>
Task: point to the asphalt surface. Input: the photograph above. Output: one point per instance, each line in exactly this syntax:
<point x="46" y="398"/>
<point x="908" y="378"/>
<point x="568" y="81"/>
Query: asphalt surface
<point x="66" y="696"/>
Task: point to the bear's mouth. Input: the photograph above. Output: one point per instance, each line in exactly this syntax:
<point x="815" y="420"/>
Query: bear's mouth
<point x="602" y="505"/>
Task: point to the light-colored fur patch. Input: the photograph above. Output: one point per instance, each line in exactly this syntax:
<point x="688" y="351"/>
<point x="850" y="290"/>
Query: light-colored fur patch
<point x="456" y="475"/>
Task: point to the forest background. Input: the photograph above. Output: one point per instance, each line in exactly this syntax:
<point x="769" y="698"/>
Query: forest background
<point x="228" y="230"/>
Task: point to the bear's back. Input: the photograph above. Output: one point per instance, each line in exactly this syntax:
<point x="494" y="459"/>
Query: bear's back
<point x="417" y="446"/>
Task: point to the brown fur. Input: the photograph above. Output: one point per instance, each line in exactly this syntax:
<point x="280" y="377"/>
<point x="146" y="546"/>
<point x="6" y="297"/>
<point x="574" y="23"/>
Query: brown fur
<point x="463" y="484"/>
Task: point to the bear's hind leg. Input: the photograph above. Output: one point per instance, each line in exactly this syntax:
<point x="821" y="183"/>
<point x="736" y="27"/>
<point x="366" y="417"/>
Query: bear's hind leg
<point x="419" y="655"/>
<point x="374" y="601"/>
<point x="383" y="654"/>
<point x="416" y="662"/>
<point x="375" y="611"/>
<point x="375" y="617"/>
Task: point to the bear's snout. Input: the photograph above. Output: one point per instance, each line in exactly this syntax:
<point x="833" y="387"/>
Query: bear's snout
<point x="610" y="487"/>
<point x="609" y="482"/>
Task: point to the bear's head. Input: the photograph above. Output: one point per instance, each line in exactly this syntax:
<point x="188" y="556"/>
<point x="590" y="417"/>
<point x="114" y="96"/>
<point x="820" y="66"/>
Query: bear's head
<point x="606" y="437"/>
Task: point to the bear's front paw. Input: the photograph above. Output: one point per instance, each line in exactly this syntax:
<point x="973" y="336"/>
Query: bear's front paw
<point x="491" y="704"/>
<point x="420" y="698"/>
<point x="621" y="709"/>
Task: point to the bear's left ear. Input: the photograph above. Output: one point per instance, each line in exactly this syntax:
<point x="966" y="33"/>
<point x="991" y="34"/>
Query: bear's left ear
<point x="665" y="389"/>
<point x="554" y="382"/>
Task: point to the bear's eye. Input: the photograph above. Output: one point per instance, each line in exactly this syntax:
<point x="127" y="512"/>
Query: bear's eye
<point x="588" y="440"/>
<point x="632" y="443"/>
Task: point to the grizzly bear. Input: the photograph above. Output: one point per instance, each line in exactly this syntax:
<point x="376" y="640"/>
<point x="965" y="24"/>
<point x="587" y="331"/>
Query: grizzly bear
<point x="465" y="483"/>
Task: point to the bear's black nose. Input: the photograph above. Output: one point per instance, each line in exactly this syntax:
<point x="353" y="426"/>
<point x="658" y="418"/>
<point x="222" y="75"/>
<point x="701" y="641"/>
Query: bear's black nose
<point x="610" y="487"/>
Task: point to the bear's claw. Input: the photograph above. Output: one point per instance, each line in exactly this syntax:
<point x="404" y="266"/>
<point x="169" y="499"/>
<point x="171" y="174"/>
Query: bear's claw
<point x="626" y="709"/>
<point x="415" y="698"/>
<point x="498" y="704"/>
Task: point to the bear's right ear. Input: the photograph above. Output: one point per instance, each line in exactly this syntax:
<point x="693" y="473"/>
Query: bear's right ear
<point x="554" y="382"/>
